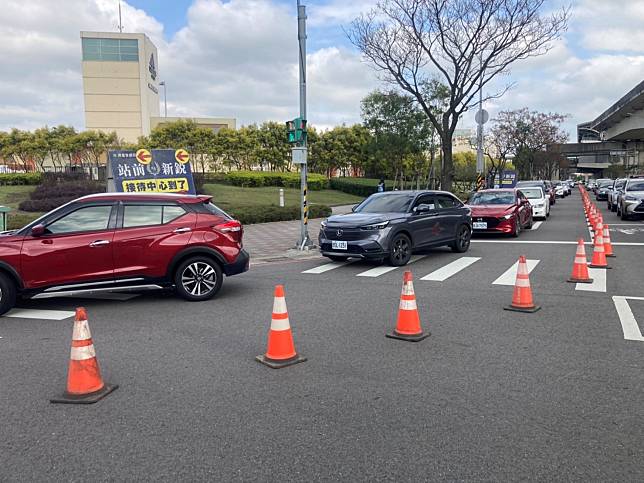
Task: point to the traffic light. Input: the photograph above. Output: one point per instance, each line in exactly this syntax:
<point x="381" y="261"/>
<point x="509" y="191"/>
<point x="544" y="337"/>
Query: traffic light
<point x="296" y="130"/>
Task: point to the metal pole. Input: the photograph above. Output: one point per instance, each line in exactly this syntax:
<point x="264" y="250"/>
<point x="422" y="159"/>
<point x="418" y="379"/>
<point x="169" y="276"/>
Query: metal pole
<point x="301" y="37"/>
<point x="165" y="100"/>
<point x="120" y="22"/>
<point x="480" y="165"/>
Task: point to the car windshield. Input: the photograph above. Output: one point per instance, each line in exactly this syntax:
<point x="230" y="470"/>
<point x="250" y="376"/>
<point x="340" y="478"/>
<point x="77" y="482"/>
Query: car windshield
<point x="492" y="199"/>
<point x="385" y="203"/>
<point x="532" y="193"/>
<point x="636" y="186"/>
<point x="605" y="184"/>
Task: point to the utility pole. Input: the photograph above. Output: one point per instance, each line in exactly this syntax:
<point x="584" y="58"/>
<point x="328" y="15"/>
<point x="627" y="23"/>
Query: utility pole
<point x="481" y="117"/>
<point x="120" y="22"/>
<point x="304" y="242"/>
<point x="165" y="99"/>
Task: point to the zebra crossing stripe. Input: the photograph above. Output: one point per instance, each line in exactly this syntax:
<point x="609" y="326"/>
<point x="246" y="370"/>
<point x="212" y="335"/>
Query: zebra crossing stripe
<point x="328" y="266"/>
<point x="510" y="275"/>
<point x="451" y="269"/>
<point x="376" y="272"/>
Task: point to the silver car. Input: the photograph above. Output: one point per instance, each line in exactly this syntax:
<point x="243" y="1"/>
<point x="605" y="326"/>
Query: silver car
<point x="632" y="198"/>
<point x="614" y="192"/>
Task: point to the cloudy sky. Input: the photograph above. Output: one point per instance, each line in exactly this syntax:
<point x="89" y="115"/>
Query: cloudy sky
<point x="238" y="58"/>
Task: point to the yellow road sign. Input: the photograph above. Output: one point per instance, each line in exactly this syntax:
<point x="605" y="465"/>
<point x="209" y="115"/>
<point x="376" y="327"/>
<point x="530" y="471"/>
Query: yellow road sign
<point x="143" y="156"/>
<point x="182" y="156"/>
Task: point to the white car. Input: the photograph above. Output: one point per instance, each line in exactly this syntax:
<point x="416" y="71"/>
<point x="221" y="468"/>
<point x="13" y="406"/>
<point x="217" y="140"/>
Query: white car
<point x="538" y="200"/>
<point x="560" y="191"/>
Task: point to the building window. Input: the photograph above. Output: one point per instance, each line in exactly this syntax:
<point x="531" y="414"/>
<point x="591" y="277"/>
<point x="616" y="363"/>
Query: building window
<point x="115" y="50"/>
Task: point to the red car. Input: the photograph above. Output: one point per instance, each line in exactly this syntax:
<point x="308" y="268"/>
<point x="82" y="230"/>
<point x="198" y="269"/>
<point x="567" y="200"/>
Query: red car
<point x="119" y="241"/>
<point x="500" y="211"/>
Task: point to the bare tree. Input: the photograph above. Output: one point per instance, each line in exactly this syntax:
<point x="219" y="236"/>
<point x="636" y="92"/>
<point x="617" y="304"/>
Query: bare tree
<point x="463" y="44"/>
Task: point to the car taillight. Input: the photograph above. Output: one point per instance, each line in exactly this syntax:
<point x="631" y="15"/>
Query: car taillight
<point x="232" y="228"/>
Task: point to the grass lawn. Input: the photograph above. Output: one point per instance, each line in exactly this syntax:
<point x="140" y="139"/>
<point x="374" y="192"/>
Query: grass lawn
<point x="11" y="196"/>
<point x="228" y="197"/>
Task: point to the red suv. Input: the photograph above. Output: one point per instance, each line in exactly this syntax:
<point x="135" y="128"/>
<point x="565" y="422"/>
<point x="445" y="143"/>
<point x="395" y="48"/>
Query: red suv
<point x="117" y="241"/>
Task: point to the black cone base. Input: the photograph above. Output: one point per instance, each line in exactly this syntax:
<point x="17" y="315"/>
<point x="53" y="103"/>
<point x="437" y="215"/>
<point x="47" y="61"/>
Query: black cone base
<point x="408" y="338"/>
<point x="529" y="310"/>
<point x="578" y="280"/>
<point x="86" y="398"/>
<point x="275" y="364"/>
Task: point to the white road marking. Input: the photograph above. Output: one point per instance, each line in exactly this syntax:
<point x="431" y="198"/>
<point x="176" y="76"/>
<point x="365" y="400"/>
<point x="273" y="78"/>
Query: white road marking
<point x="536" y="225"/>
<point x="377" y="271"/>
<point x="328" y="266"/>
<point x="510" y="275"/>
<point x="599" y="281"/>
<point x="627" y="319"/>
<point x="40" y="314"/>
<point x="555" y="242"/>
<point x="450" y="269"/>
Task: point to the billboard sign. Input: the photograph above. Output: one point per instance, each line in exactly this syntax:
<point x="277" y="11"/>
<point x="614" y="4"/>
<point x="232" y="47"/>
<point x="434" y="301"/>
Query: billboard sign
<point x="155" y="171"/>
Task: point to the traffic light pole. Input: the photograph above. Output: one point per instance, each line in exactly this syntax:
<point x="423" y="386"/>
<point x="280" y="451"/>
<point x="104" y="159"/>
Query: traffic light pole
<point x="304" y="241"/>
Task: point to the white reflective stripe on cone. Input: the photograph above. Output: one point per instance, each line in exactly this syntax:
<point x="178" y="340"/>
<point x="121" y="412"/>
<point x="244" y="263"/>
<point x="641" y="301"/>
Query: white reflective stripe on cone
<point x="522" y="282"/>
<point x="581" y="260"/>
<point x="279" y="305"/>
<point x="280" y="324"/>
<point x="408" y="288"/>
<point x="408" y="305"/>
<point x="82" y="353"/>
<point x="81" y="330"/>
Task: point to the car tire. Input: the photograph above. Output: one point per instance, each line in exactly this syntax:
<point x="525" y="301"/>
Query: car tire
<point x="623" y="214"/>
<point x="461" y="243"/>
<point x="399" y="250"/>
<point x="618" y="211"/>
<point x="198" y="278"/>
<point x="517" y="228"/>
<point x="335" y="258"/>
<point x="608" y="206"/>
<point x="7" y="294"/>
<point x="530" y="223"/>
<point x="613" y="207"/>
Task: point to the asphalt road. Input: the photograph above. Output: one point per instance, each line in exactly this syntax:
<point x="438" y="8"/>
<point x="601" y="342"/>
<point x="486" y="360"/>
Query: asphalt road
<point x="490" y="396"/>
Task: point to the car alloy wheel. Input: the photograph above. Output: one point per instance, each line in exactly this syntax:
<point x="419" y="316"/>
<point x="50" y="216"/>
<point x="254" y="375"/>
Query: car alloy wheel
<point x="462" y="242"/>
<point x="198" y="278"/>
<point x="400" y="252"/>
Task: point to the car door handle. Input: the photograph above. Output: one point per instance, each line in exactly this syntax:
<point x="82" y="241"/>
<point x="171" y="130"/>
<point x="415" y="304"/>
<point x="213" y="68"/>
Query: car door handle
<point x="182" y="230"/>
<point x="99" y="243"/>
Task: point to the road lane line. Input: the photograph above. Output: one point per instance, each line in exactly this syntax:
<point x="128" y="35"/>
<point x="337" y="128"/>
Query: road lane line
<point x="451" y="269"/>
<point x="328" y="266"/>
<point x="376" y="272"/>
<point x="510" y="275"/>
<point x="555" y="242"/>
<point x="536" y="225"/>
<point x="40" y="314"/>
<point x="627" y="319"/>
<point x="599" y="281"/>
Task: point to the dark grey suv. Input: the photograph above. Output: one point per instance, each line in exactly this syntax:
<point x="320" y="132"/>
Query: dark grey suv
<point x="389" y="226"/>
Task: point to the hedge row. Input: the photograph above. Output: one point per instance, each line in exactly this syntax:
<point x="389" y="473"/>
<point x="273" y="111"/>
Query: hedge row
<point x="265" y="214"/>
<point x="357" y="186"/>
<point x="47" y="197"/>
<point x="13" y="179"/>
<point x="270" y="178"/>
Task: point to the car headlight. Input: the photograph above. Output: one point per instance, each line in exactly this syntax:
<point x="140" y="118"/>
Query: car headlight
<point x="508" y="216"/>
<point x="375" y="226"/>
<point x="323" y="224"/>
<point x="630" y="198"/>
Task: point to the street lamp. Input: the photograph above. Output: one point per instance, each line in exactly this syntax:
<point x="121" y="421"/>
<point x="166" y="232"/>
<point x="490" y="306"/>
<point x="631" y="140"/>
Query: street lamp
<point x="165" y="99"/>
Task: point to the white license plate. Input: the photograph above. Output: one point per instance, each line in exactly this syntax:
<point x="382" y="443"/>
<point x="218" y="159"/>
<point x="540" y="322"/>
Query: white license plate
<point x="338" y="245"/>
<point x="480" y="225"/>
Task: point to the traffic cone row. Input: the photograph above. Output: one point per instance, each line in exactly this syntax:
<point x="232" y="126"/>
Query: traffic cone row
<point x="602" y="246"/>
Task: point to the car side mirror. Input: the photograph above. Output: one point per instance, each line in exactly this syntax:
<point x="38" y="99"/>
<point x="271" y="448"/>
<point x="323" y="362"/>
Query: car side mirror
<point x="38" y="230"/>
<point x="353" y="208"/>
<point x="423" y="208"/>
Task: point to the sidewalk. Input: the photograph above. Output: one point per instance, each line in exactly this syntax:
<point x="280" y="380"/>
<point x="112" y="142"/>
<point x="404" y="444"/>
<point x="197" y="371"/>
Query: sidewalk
<point x="276" y="241"/>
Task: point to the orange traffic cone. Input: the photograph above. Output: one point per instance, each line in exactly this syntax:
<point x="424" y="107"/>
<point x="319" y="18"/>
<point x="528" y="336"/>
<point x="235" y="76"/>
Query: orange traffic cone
<point x="408" y="325"/>
<point x="580" y="267"/>
<point x="608" y="246"/>
<point x="599" y="255"/>
<point x="280" y="351"/>
<point x="522" y="296"/>
<point x="84" y="382"/>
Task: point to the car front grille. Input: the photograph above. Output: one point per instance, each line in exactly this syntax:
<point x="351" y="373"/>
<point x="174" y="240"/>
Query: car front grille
<point x="347" y="234"/>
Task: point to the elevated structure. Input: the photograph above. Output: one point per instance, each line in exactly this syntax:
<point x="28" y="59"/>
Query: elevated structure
<point x="615" y="139"/>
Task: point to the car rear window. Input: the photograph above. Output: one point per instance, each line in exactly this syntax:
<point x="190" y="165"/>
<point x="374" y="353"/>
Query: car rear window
<point x="208" y="207"/>
<point x="532" y="193"/>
